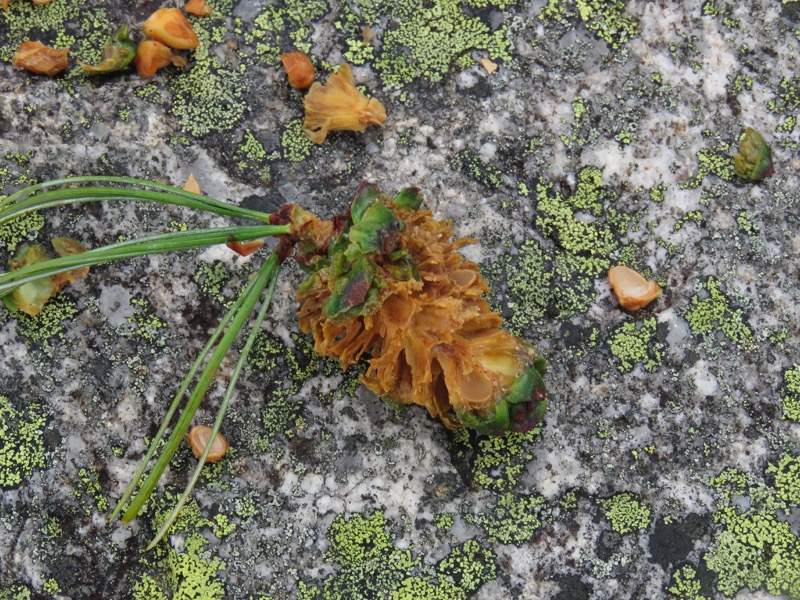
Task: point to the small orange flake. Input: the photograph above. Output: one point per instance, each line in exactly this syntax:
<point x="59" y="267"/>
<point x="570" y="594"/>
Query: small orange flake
<point x="42" y="2"/>
<point x="490" y="66"/>
<point x="631" y="289"/>
<point x="339" y="106"/>
<point x="4" y="4"/>
<point x="245" y="248"/>
<point x="299" y="69"/>
<point x="152" y="55"/>
<point x="199" y="8"/>
<point x="40" y="59"/>
<point x="191" y="185"/>
<point x="169" y="26"/>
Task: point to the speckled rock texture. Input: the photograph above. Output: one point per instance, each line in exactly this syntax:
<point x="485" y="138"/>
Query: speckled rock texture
<point x="668" y="465"/>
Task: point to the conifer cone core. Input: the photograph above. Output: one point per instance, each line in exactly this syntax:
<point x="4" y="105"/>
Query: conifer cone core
<point x="392" y="287"/>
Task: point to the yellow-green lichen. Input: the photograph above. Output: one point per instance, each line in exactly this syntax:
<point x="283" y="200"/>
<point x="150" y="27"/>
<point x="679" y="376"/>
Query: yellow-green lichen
<point x="211" y="279"/>
<point x="191" y="572"/>
<point x="371" y="564"/>
<point x="569" y="501"/>
<point x="210" y="95"/>
<point x="295" y="144"/>
<point x="373" y="567"/>
<point x="605" y="18"/>
<point x="685" y="584"/>
<point x="468" y="566"/>
<point x="715" y="313"/>
<point x="787" y="478"/>
<point x="89" y="492"/>
<point x="292" y="18"/>
<point x="416" y="588"/>
<point x="20" y="230"/>
<point x="145" y="324"/>
<point x="471" y="164"/>
<point x="445" y="522"/>
<point x="626" y="513"/>
<point x="558" y="279"/>
<point x="281" y="414"/>
<point x="252" y="156"/>
<point x="755" y="546"/>
<point x="633" y="344"/>
<point x="15" y="592"/>
<point x="585" y="246"/>
<point x="51" y="587"/>
<point x="48" y="325"/>
<point x="426" y="40"/>
<point x="21" y="445"/>
<point x="790" y="394"/>
<point x="514" y="519"/>
<point x="501" y="461"/>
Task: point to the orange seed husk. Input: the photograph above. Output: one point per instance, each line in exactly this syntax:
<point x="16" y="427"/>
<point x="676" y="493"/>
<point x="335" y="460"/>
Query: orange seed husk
<point x="40" y="59"/>
<point x="631" y="289"/>
<point x="42" y="2"/>
<point x="339" y="106"/>
<point x="152" y="55"/>
<point x="299" y="69"/>
<point x="199" y="8"/>
<point x="198" y="440"/>
<point x="169" y="26"/>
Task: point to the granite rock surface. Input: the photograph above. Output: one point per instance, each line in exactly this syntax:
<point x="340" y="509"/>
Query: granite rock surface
<point x="668" y="465"/>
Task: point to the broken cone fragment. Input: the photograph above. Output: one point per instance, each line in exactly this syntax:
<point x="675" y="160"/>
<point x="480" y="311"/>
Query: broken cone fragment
<point x="388" y="284"/>
<point x="339" y="106"/>
<point x="631" y="289"/>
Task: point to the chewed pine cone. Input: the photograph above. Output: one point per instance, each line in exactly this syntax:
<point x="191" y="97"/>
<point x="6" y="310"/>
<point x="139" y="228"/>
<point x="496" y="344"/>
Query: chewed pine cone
<point x="387" y="283"/>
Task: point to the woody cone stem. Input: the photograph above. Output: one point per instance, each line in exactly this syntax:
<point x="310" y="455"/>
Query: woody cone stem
<point x="387" y="283"/>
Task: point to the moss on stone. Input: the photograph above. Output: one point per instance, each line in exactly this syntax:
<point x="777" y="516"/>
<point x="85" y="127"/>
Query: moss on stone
<point x="633" y="344"/>
<point x="626" y="513"/>
<point x="21" y="444"/>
